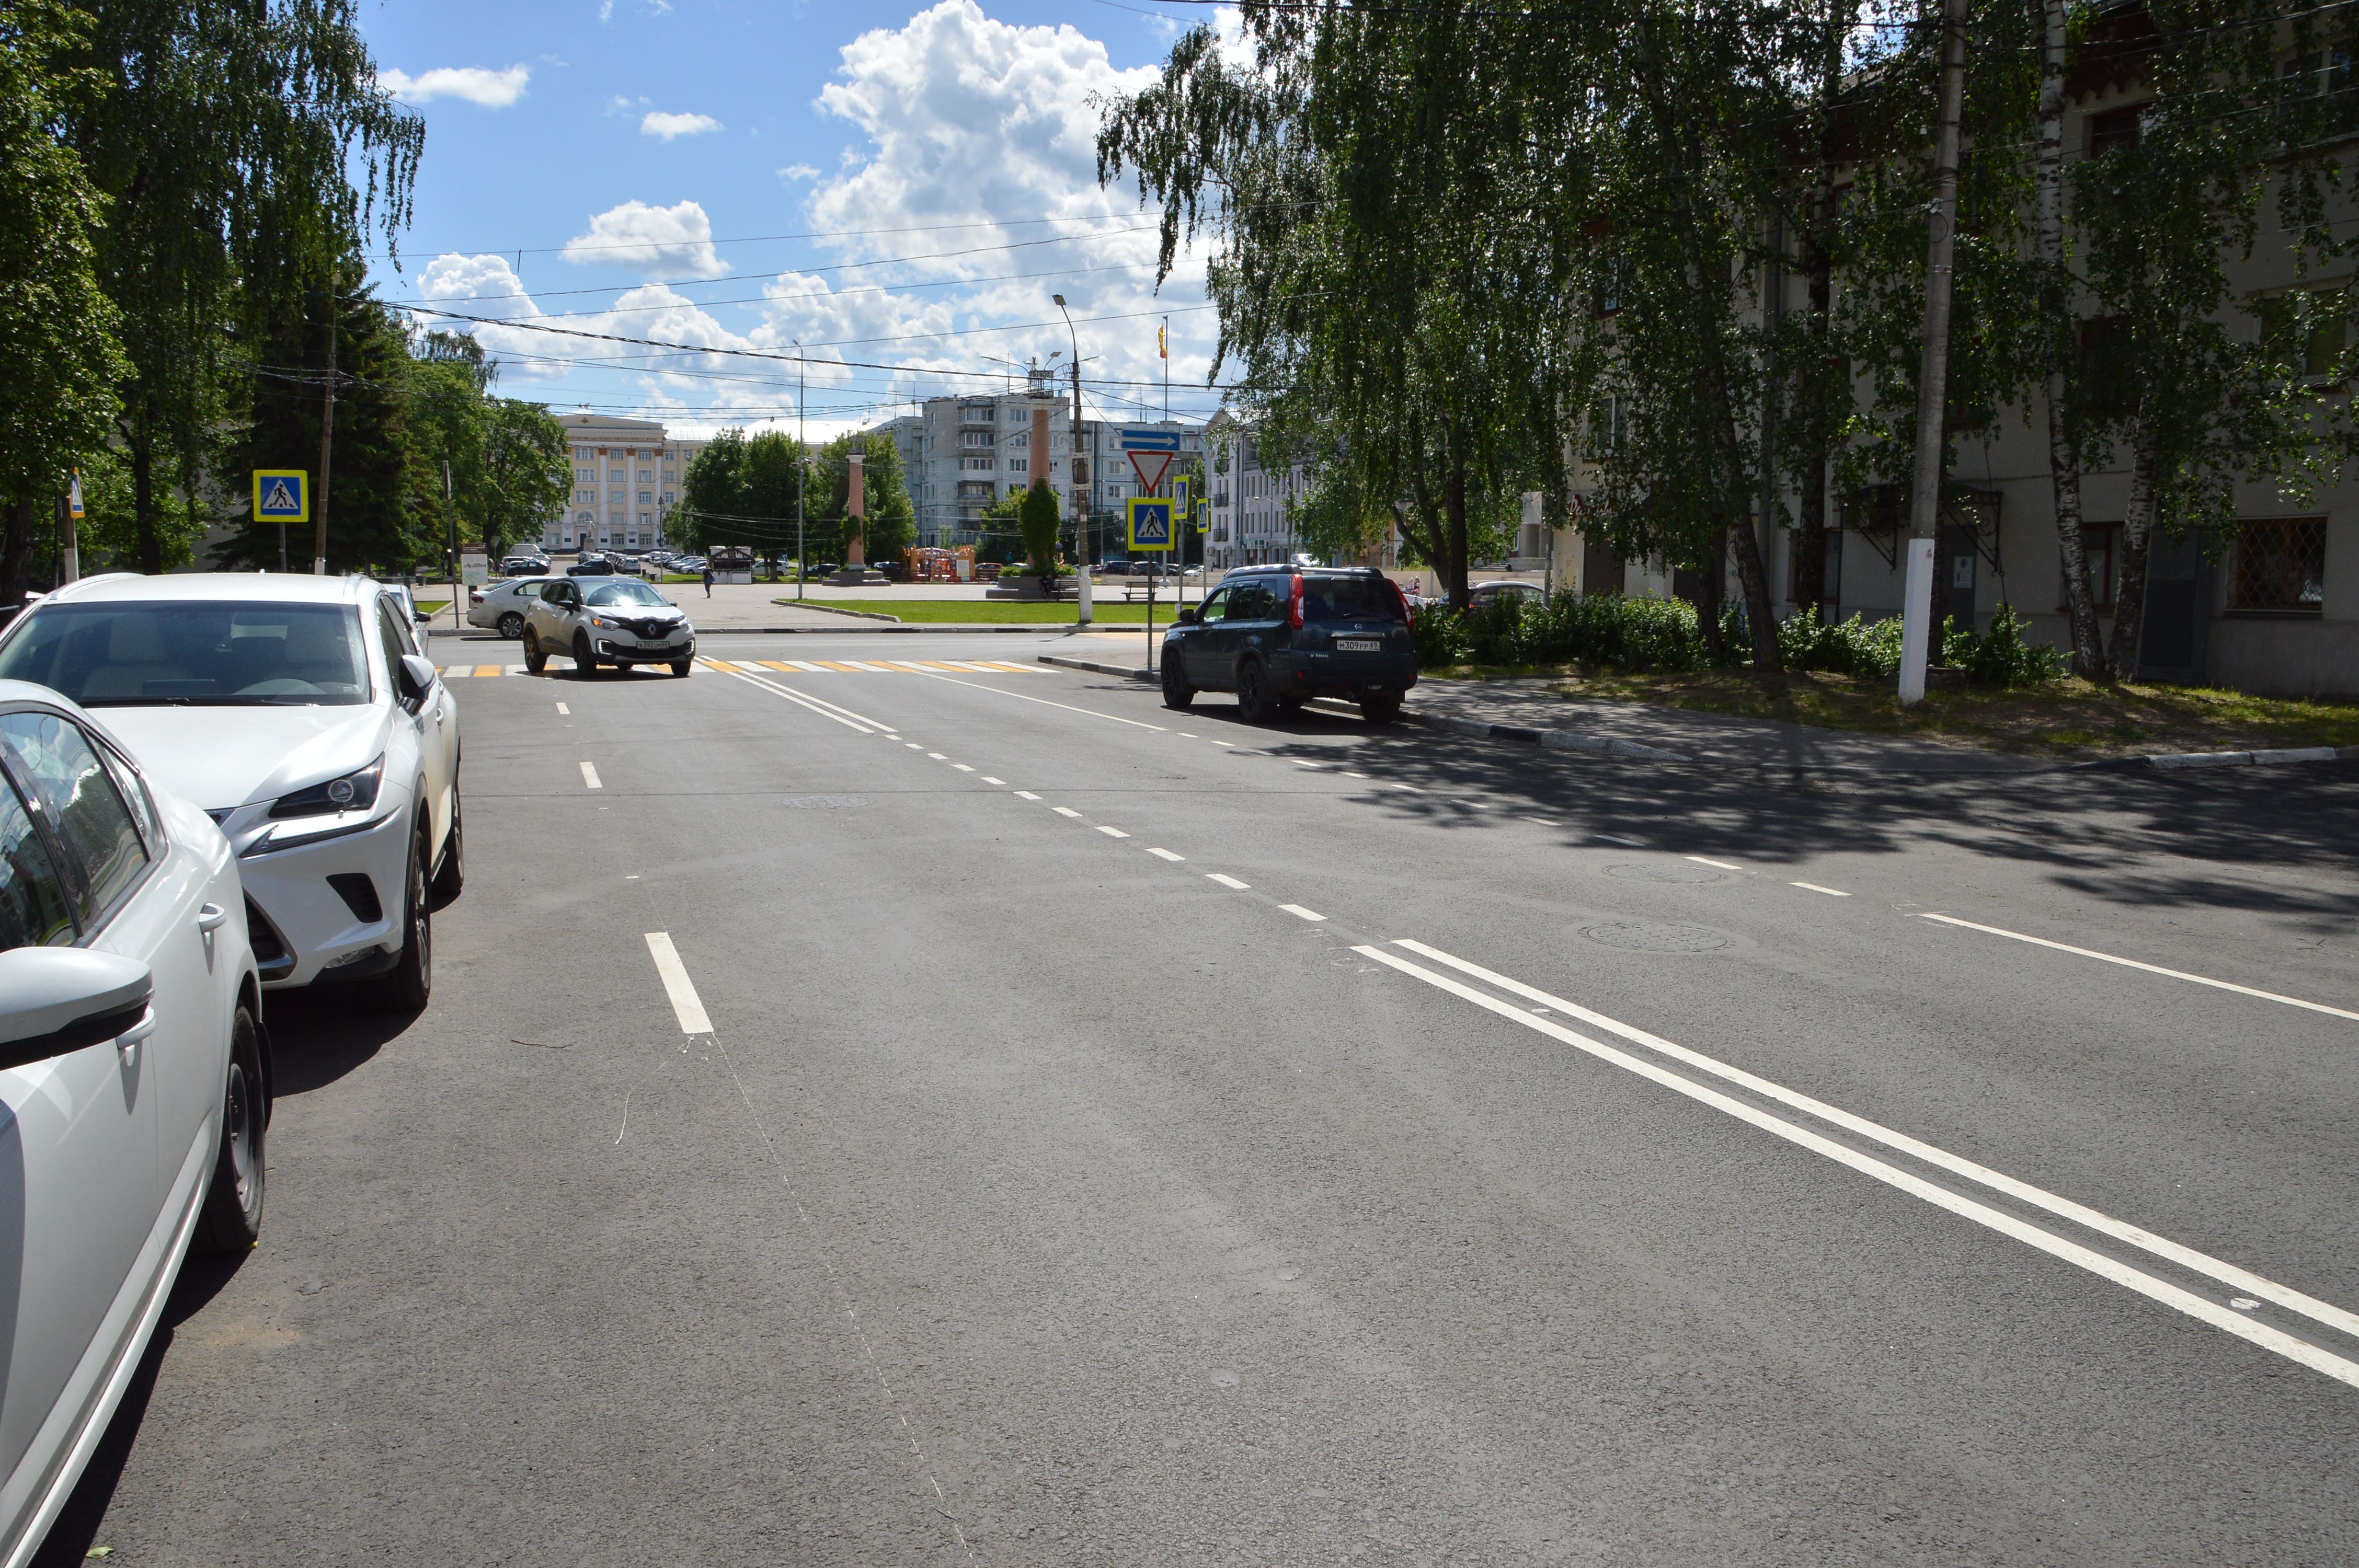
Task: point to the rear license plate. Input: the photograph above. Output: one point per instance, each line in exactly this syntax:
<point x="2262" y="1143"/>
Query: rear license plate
<point x="1358" y="645"/>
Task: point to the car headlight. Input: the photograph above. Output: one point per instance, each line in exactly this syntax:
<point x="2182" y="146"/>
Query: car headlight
<point x="607" y="621"/>
<point x="355" y="791"/>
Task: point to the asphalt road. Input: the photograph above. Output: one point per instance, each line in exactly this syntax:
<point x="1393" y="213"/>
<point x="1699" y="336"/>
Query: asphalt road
<point x="1045" y="1150"/>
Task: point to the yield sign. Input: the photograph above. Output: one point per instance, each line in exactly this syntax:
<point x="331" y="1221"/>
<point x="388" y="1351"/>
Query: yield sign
<point x="1139" y="462"/>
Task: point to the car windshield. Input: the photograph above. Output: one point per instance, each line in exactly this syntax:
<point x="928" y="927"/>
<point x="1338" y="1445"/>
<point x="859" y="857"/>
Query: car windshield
<point x="208" y="654"/>
<point x="1349" y="599"/>
<point x="614" y="593"/>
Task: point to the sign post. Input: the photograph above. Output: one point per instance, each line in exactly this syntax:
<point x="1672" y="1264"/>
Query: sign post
<point x="70" y="562"/>
<point x="1150" y="529"/>
<point x="282" y="496"/>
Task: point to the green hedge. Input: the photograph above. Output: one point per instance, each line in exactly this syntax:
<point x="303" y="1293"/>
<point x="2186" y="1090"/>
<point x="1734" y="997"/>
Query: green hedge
<point x="1610" y="632"/>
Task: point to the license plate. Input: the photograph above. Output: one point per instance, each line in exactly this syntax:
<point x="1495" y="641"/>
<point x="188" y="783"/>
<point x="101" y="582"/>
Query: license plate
<point x="1358" y="645"/>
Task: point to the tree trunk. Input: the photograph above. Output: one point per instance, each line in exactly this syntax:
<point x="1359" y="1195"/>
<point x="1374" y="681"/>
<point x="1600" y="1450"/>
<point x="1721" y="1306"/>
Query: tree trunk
<point x="2056" y="296"/>
<point x="2137" y="537"/>
<point x="1711" y="596"/>
<point x="16" y="554"/>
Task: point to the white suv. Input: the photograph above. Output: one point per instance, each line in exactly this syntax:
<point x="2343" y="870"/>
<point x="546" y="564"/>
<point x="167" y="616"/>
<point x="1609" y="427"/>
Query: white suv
<point x="299" y="714"/>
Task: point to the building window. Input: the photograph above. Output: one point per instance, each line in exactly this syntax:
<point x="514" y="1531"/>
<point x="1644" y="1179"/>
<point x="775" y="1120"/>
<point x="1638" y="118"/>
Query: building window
<point x="2098" y="548"/>
<point x="645" y="519"/>
<point x="617" y="475"/>
<point x="2307" y="328"/>
<point x="2280" y="566"/>
<point x="667" y="494"/>
<point x="645" y="496"/>
<point x="647" y="476"/>
<point x="2116" y="128"/>
<point x="1016" y="465"/>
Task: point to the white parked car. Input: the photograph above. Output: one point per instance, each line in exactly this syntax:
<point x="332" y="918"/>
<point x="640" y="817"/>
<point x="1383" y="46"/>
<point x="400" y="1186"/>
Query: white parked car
<point x="299" y="714"/>
<point x="501" y="605"/>
<point x="614" y="621"/>
<point x="135" y="1083"/>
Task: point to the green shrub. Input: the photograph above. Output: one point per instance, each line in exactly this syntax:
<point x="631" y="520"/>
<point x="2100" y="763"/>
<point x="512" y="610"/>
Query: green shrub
<point x="2000" y="657"/>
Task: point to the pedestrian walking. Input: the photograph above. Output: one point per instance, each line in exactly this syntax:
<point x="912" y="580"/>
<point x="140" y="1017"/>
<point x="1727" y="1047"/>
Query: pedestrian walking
<point x="708" y="582"/>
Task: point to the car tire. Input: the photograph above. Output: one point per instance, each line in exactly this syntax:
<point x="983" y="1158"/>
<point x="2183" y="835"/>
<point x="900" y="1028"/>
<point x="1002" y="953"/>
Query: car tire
<point x="451" y="876"/>
<point x="585" y="662"/>
<point x="535" y="658"/>
<point x="232" y="1220"/>
<point x="1177" y="693"/>
<point x="1380" y="709"/>
<point x="1254" y="702"/>
<point x="679" y="667"/>
<point x="511" y="625"/>
<point x="411" y="986"/>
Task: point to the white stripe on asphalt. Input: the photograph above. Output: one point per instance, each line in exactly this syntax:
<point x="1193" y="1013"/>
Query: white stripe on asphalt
<point x="1024" y="696"/>
<point x="1165" y="855"/>
<point x="590" y="777"/>
<point x="807" y="664"/>
<point x="989" y="780"/>
<point x="1064" y="811"/>
<point x="1025" y="794"/>
<point x="937" y="756"/>
<point x="677" y="986"/>
<point x="913" y="745"/>
<point x="2149" y="968"/>
<point x="1830" y="892"/>
<point x="813" y="704"/>
<point x="1227" y="882"/>
<point x="2063" y="1207"/>
<point x="962" y="767"/>
<point x="2098" y="1263"/>
<point x="1724" y="865"/>
<point x="804" y="696"/>
<point x="872" y="669"/>
<point x="1112" y="832"/>
<point x="562" y="708"/>
<point x="1297" y="910"/>
<point x="1610" y="838"/>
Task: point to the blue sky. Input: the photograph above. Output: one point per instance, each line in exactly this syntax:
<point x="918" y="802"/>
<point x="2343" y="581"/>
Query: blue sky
<point x="902" y="186"/>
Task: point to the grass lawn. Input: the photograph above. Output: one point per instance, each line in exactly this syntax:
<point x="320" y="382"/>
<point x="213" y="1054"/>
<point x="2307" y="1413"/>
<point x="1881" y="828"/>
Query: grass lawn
<point x="1000" y="612"/>
<point x="2067" y="719"/>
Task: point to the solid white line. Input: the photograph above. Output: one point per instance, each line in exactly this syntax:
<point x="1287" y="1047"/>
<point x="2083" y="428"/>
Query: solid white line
<point x="1724" y="865"/>
<point x="1165" y="855"/>
<point x="1830" y="892"/>
<point x="1025" y="794"/>
<point x="562" y="708"/>
<point x="2063" y="1207"/>
<point x="1227" y="882"/>
<point x="1610" y="838"/>
<point x="962" y="767"/>
<point x="590" y="777"/>
<point x="685" y="1002"/>
<point x="2149" y="968"/>
<point x="2098" y="1263"/>
<point x="1064" y="811"/>
<point x="989" y="780"/>
<point x="801" y="695"/>
<point x="1296" y="909"/>
<point x="1026" y="697"/>
<point x="813" y="704"/>
<point x="1112" y="832"/>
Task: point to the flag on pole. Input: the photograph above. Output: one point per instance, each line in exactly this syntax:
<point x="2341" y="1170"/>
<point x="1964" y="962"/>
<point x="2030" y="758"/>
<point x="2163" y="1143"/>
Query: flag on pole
<point x="1163" y="342"/>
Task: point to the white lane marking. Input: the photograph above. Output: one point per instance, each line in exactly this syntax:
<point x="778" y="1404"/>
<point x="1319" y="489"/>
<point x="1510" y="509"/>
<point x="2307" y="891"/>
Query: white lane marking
<point x="1411" y="788"/>
<point x="685" y="1002"/>
<point x="1611" y="838"/>
<point x="1830" y="892"/>
<point x="913" y="745"/>
<point x="1183" y="735"/>
<point x="1025" y="794"/>
<point x="807" y="664"/>
<point x="1300" y="764"/>
<point x="962" y="767"/>
<point x="989" y="780"/>
<point x="979" y="669"/>
<point x="1112" y="832"/>
<point x="824" y="709"/>
<point x="1229" y="743"/>
<point x="1027" y="697"/>
<point x="1350" y="775"/>
<point x="1227" y="882"/>
<point x="2149" y="968"/>
<point x="590" y="777"/>
<point x="2063" y="1207"/>
<point x="1064" y="811"/>
<point x="937" y="756"/>
<point x="1724" y="865"/>
<point x="1165" y="855"/>
<point x="2098" y="1263"/>
<point x="872" y="669"/>
<point x="562" y="708"/>
<point x="1297" y="910"/>
<point x="804" y="696"/>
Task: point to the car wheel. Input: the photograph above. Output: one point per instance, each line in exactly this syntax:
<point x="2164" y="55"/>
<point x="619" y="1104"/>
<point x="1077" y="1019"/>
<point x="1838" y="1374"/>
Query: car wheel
<point x="681" y="666"/>
<point x="1380" y="707"/>
<point x="411" y="984"/>
<point x="451" y="878"/>
<point x="1252" y="694"/>
<point x="585" y="662"/>
<point x="1177" y="692"/>
<point x="232" y="1221"/>
<point x="511" y="625"/>
<point x="535" y="658"/>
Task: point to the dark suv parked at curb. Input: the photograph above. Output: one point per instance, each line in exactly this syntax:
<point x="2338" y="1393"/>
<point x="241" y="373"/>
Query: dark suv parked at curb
<point x="1278" y="636"/>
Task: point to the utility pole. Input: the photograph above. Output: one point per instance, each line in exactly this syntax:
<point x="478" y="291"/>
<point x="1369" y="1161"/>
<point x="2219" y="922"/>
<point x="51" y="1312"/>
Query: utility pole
<point x="450" y="519"/>
<point x="802" y="473"/>
<point x="1084" y="612"/>
<point x="327" y="437"/>
<point x="1917" y="629"/>
<point x="70" y="557"/>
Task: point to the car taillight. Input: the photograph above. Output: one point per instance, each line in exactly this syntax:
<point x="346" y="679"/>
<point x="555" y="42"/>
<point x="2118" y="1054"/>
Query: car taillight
<point x="1409" y="616"/>
<point x="474" y="596"/>
<point x="1294" y="604"/>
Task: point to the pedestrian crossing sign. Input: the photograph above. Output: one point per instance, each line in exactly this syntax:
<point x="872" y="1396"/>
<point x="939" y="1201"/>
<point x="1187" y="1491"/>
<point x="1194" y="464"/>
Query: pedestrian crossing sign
<point x="1150" y="524"/>
<point x="282" y="495"/>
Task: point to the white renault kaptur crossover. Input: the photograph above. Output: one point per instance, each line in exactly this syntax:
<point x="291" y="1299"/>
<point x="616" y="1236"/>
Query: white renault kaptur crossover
<point x="298" y="712"/>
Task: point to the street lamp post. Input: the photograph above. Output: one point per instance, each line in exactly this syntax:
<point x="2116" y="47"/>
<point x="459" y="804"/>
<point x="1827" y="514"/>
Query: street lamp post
<point x="1086" y="551"/>
<point x="802" y="475"/>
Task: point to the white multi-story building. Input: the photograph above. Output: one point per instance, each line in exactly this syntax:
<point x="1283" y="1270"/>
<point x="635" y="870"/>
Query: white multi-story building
<point x="1250" y="518"/>
<point x="626" y="479"/>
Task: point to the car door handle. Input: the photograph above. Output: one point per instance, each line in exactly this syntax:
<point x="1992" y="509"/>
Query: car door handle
<point x="137" y="1032"/>
<point x="210" y="918"/>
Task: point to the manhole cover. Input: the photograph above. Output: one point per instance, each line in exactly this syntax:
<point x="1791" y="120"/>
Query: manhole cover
<point x="1657" y="936"/>
<point x="824" y="802"/>
<point x="1665" y="872"/>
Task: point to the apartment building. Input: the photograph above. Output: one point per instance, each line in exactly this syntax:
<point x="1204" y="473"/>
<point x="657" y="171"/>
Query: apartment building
<point x="626" y="479"/>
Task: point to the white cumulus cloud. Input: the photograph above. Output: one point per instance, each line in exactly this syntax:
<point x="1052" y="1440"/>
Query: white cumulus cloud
<point x="475" y="83"/>
<point x="671" y="127"/>
<point x="482" y="286"/>
<point x="661" y="242"/>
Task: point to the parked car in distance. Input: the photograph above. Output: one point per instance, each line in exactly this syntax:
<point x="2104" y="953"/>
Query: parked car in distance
<point x="687" y="563"/>
<point x="1114" y="569"/>
<point x="590" y="566"/>
<point x="409" y="601"/>
<point x="298" y="713"/>
<point x="525" y="565"/>
<point x="135" y="1081"/>
<point x="501" y="605"/>
<point x="1278" y="636"/>
<point x="619" y="624"/>
<point x="1485" y="595"/>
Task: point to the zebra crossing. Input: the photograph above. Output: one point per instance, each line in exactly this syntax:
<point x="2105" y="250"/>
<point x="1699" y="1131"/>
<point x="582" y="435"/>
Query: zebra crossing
<point x="799" y="666"/>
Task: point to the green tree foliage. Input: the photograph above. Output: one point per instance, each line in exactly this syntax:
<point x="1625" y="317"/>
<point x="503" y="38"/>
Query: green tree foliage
<point x="741" y="490"/>
<point x="57" y="326"/>
<point x="526" y="474"/>
<point x="505" y="460"/>
<point x="1036" y="520"/>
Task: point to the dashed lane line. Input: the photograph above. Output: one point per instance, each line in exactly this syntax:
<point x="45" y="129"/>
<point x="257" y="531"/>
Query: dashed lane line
<point x="1064" y="811"/>
<point x="1724" y="865"/>
<point x="1025" y="794"/>
<point x="590" y="777"/>
<point x="1226" y="881"/>
<point x="1813" y="886"/>
<point x="1300" y="913"/>
<point x="685" y="1003"/>
<point x="1165" y="855"/>
<point x="1112" y="832"/>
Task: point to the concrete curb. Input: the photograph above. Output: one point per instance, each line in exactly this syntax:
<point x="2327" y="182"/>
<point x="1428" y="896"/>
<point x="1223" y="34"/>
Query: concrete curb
<point x="2180" y="761"/>
<point x="484" y="635"/>
<point x="832" y="610"/>
<point x="1061" y="662"/>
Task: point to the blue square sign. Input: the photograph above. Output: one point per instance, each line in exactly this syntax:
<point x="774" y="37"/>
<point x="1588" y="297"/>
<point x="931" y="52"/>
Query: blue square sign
<point x="1150" y="524"/>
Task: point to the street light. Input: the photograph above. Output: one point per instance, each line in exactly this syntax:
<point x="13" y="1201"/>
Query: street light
<point x="1081" y="491"/>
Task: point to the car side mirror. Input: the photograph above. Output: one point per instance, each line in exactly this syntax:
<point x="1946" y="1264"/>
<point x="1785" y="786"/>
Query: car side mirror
<point x="1187" y="618"/>
<point x="56" y="999"/>
<point x="416" y="677"/>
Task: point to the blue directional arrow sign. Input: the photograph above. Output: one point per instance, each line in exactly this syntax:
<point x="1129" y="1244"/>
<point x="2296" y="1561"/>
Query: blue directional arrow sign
<point x="1143" y="438"/>
<point x="282" y="495"/>
<point x="1150" y="524"/>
